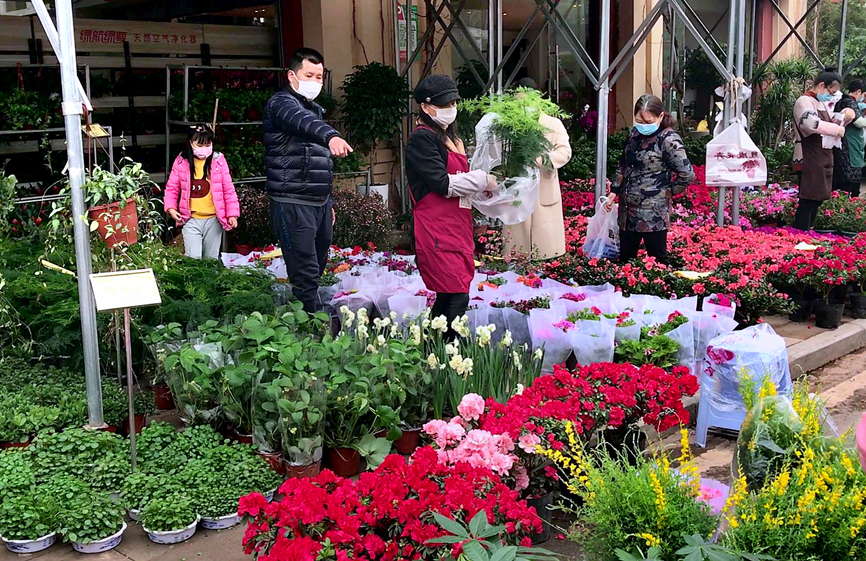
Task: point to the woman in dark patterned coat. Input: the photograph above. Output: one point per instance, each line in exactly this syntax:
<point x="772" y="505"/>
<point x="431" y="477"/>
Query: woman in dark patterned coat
<point x="654" y="168"/>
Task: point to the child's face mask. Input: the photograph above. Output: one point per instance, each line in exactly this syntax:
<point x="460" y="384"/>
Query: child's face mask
<point x="202" y="152"/>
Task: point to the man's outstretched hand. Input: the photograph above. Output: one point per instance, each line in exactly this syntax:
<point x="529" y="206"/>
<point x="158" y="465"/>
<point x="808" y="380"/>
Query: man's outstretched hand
<point x="339" y="147"/>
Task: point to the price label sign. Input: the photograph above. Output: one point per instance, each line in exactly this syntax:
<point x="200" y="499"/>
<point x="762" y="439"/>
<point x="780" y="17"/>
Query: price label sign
<point x="125" y="289"/>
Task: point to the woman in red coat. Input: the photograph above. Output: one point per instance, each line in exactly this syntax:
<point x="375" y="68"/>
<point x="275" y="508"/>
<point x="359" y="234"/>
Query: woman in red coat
<point x="439" y="184"/>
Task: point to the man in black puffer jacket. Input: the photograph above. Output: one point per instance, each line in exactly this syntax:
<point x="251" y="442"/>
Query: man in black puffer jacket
<point x="298" y="150"/>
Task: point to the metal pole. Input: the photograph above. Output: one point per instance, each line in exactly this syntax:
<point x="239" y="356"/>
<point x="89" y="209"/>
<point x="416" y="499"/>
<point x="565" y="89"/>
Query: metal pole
<point x="408" y="120"/>
<point x="672" y="30"/>
<point x="75" y="154"/>
<point x="741" y="55"/>
<point x="603" y="91"/>
<point x="130" y="398"/>
<point x="498" y="45"/>
<point x="407" y="15"/>
<point x="491" y="44"/>
<point x="167" y="125"/>
<point x="728" y="112"/>
<point x="842" y="30"/>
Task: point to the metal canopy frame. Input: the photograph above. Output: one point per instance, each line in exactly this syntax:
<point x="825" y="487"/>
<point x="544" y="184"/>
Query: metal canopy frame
<point x="603" y="74"/>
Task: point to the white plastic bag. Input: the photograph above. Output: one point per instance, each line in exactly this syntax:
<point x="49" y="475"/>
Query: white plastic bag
<point x="724" y="311"/>
<point x="602" y="232"/>
<point x="592" y="342"/>
<point x="757" y="351"/>
<point x="733" y="159"/>
<point x="517" y="196"/>
<point x="555" y="342"/>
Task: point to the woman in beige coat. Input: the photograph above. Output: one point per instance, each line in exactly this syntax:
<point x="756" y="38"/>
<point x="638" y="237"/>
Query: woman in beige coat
<point x="542" y="236"/>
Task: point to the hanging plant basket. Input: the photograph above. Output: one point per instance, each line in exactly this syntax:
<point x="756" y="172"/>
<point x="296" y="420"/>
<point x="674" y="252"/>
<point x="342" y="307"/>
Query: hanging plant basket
<point x="116" y="225"/>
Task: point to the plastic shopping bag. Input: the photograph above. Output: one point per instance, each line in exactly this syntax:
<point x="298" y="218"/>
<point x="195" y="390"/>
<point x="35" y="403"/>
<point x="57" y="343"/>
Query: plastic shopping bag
<point x="517" y="196"/>
<point x="555" y="342"/>
<point x="602" y="233"/>
<point x="592" y="342"/>
<point x="733" y="159"/>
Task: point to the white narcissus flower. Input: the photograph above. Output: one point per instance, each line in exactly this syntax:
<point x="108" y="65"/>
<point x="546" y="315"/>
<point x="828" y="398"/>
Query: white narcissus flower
<point x="425" y="323"/>
<point x="538" y="354"/>
<point x="519" y="390"/>
<point x="380" y="340"/>
<point x="394" y="329"/>
<point x="440" y="324"/>
<point x="466" y="367"/>
<point x="415" y="333"/>
<point x="456" y="363"/>
<point x="482" y="335"/>
<point x="432" y="361"/>
<point x="371" y="349"/>
<point x="393" y="316"/>
<point x="451" y="349"/>
<point x="460" y="326"/>
<point x="516" y="359"/>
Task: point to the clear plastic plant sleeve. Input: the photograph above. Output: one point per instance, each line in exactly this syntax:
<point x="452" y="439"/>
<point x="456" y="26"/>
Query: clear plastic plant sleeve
<point x="517" y="197"/>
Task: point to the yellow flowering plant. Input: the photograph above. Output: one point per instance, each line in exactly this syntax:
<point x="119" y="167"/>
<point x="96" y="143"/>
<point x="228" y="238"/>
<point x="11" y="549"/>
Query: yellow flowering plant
<point x="776" y="430"/>
<point x="626" y="507"/>
<point x="811" y="509"/>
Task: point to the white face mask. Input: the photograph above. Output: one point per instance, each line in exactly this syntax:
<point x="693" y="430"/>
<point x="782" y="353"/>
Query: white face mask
<point x="444" y="116"/>
<point x="310" y="89"/>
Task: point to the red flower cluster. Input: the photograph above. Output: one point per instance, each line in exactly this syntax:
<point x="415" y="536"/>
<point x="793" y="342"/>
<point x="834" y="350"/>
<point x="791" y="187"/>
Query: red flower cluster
<point x="384" y="515"/>
<point x="596" y="396"/>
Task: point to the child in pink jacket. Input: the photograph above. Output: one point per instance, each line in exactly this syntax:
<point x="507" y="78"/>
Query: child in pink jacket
<point x="200" y="195"/>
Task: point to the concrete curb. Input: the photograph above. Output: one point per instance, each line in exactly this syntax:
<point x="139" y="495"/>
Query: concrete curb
<point x="809" y="355"/>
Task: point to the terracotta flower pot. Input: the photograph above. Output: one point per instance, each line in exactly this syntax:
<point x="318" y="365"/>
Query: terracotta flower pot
<point x="309" y="470"/>
<point x="125" y="227"/>
<point x="240" y="437"/>
<point x="162" y="397"/>
<point x="138" y="421"/>
<point x="345" y="462"/>
<point x="408" y="441"/>
<point x="275" y="461"/>
<point x="110" y="428"/>
<point x="5" y="445"/>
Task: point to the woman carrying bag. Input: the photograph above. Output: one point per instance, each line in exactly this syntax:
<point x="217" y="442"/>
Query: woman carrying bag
<point x="439" y="184"/>
<point x="654" y="169"/>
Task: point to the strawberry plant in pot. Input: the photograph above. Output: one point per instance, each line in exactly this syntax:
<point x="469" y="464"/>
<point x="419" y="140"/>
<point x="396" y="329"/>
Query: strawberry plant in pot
<point x="191" y="374"/>
<point x="236" y="395"/>
<point x="170" y="519"/>
<point x="299" y="400"/>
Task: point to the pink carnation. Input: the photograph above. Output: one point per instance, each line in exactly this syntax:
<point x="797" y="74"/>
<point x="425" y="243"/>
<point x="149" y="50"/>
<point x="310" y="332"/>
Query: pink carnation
<point x="528" y="443"/>
<point x="471" y="407"/>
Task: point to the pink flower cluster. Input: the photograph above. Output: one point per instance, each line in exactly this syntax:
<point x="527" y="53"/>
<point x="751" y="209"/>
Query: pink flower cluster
<point x="458" y="441"/>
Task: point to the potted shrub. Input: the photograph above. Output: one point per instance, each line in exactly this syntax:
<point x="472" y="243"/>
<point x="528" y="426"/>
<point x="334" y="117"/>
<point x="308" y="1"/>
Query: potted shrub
<point x="161" y="341"/>
<point x="170" y="519"/>
<point x="218" y="506"/>
<point x="28" y="523"/>
<point x="236" y="396"/>
<point x="93" y="522"/>
<point x="300" y="400"/>
<point x="374" y="104"/>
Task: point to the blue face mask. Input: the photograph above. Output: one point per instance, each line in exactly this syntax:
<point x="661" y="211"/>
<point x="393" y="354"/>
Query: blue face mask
<point x="824" y="97"/>
<point x="646" y="129"/>
<point x="861" y="105"/>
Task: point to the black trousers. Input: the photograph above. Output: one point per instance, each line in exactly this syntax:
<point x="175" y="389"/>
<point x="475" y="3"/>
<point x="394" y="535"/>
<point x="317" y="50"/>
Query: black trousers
<point x="807" y="214"/>
<point x="305" y="234"/>
<point x="451" y="305"/>
<point x="656" y="245"/>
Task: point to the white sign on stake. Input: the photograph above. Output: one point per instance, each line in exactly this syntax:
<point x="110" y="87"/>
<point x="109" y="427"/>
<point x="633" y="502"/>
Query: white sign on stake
<point x="125" y="289"/>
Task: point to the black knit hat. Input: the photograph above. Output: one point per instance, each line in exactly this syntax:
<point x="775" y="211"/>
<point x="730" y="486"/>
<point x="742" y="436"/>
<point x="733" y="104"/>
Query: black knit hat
<point x="436" y="90"/>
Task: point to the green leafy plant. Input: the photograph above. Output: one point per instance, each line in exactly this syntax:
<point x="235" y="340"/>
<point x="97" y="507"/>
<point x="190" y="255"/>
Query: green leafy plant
<point x="140" y="488"/>
<point x="22" y="109"/>
<point x="697" y="549"/>
<point x="95" y="456"/>
<point x="216" y="502"/>
<point x="169" y="513"/>
<point x="783" y="82"/>
<point x="191" y="375"/>
<point x="299" y="400"/>
<point x="255" y="225"/>
<point x="90" y="518"/>
<point x="517" y="126"/>
<point x="7" y="200"/>
<point x="478" y="543"/>
<point x="374" y="104"/>
<point x="27" y="516"/>
<point x="143" y="403"/>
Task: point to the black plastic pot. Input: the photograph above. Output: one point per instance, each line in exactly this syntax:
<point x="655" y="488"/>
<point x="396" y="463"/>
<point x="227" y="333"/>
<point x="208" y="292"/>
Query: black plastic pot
<point x="802" y="309"/>
<point x="625" y="444"/>
<point x="542" y="507"/>
<point x="828" y="316"/>
<point x="857" y="307"/>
